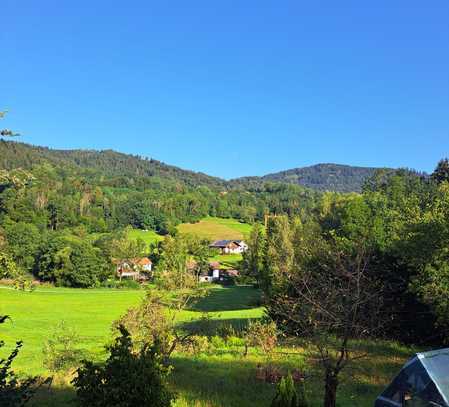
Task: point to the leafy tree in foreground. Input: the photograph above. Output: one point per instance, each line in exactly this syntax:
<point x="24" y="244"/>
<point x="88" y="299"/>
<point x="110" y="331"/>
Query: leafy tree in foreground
<point x="331" y="300"/>
<point x="127" y="379"/>
<point x="13" y="391"/>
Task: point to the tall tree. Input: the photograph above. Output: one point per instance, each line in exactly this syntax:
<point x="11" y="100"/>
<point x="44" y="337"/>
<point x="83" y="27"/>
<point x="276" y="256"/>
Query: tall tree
<point x="252" y="263"/>
<point x="441" y="172"/>
<point x="331" y="300"/>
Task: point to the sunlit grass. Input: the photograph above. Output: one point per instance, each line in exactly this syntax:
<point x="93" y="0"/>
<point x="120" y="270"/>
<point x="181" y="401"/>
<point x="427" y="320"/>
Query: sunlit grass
<point x="216" y="228"/>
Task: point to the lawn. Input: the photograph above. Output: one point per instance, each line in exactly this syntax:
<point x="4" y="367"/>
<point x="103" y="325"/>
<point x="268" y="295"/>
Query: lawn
<point x="217" y="228"/>
<point x="219" y="376"/>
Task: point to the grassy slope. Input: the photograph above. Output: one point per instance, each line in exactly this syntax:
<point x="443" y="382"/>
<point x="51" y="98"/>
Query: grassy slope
<point x="217" y="228"/>
<point x="220" y="378"/>
<point x="148" y="236"/>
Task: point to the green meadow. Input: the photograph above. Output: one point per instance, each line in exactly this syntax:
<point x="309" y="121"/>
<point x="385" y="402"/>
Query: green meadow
<point x="217" y="228"/>
<point x="148" y="236"/>
<point x="219" y="375"/>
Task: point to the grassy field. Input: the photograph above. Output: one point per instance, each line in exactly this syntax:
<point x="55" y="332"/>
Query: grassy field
<point x="228" y="261"/>
<point x="219" y="376"/>
<point x="91" y="313"/>
<point x="217" y="228"/>
<point x="148" y="236"/>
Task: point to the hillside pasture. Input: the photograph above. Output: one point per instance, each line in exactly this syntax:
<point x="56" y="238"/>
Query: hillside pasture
<point x="148" y="236"/>
<point x="217" y="228"/>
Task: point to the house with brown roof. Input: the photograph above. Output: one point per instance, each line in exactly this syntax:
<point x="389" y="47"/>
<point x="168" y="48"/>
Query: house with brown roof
<point x="229" y="246"/>
<point x="137" y="269"/>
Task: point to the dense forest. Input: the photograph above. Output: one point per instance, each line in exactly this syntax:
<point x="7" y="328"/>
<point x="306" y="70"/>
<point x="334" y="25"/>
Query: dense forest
<point x="55" y="206"/>
<point x="321" y="177"/>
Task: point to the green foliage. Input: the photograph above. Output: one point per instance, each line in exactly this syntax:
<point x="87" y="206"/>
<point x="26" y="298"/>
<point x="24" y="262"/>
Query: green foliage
<point x="14" y="392"/>
<point x="23" y="243"/>
<point x="126" y="378"/>
<point x="252" y="263"/>
<point x="62" y="351"/>
<point x="441" y="173"/>
<point x="8" y="269"/>
<point x="263" y="335"/>
<point x="322" y="177"/>
<point x="72" y="262"/>
<point x="287" y="394"/>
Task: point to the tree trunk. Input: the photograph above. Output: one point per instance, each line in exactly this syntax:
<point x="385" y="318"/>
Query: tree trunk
<point x="330" y="393"/>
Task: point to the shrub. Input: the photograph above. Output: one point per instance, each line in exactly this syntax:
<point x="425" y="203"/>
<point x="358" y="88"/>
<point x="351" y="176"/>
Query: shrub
<point x="196" y="345"/>
<point x="13" y="391"/>
<point x="263" y="335"/>
<point x="288" y="396"/>
<point x="217" y="342"/>
<point x="126" y="379"/>
<point x="61" y="350"/>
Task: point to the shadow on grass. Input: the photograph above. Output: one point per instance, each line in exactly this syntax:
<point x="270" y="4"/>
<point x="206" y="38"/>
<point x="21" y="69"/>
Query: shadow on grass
<point x="220" y="327"/>
<point x="229" y="299"/>
<point x="226" y="381"/>
<point x="220" y="382"/>
<point x="56" y="396"/>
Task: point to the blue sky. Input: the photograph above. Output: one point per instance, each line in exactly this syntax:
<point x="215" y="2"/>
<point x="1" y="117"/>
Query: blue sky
<point x="231" y="88"/>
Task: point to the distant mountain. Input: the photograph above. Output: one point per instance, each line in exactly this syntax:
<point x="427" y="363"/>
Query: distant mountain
<point x="321" y="177"/>
<point x="107" y="162"/>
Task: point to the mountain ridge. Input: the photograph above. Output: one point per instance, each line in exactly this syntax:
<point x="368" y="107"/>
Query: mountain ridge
<point x="321" y="177"/>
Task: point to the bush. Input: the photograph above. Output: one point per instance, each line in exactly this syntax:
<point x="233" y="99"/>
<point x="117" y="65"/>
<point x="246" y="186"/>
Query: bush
<point x="287" y="395"/>
<point x="126" y="379"/>
<point x="196" y="344"/>
<point x="13" y="391"/>
<point x="217" y="342"/>
<point x="61" y="350"/>
<point x="263" y="335"/>
<point x="126" y="284"/>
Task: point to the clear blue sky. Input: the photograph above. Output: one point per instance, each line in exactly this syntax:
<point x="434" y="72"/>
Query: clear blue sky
<point x="231" y="88"/>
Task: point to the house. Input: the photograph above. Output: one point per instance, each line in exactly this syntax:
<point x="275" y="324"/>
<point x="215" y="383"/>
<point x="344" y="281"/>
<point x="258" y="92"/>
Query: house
<point x="217" y="275"/>
<point x="423" y="381"/>
<point x="229" y="246"/>
<point x="137" y="269"/>
<point x="212" y="274"/>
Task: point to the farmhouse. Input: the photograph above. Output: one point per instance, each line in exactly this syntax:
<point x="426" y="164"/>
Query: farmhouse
<point x="212" y="274"/>
<point x="217" y="275"/>
<point x="137" y="269"/>
<point x="230" y="246"/>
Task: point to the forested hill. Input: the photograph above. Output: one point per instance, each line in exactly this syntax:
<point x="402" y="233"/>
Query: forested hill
<point x="107" y="162"/>
<point x="321" y="177"/>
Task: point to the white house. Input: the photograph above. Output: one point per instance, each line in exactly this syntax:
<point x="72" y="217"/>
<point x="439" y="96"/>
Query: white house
<point x="230" y="246"/>
<point x="136" y="269"/>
